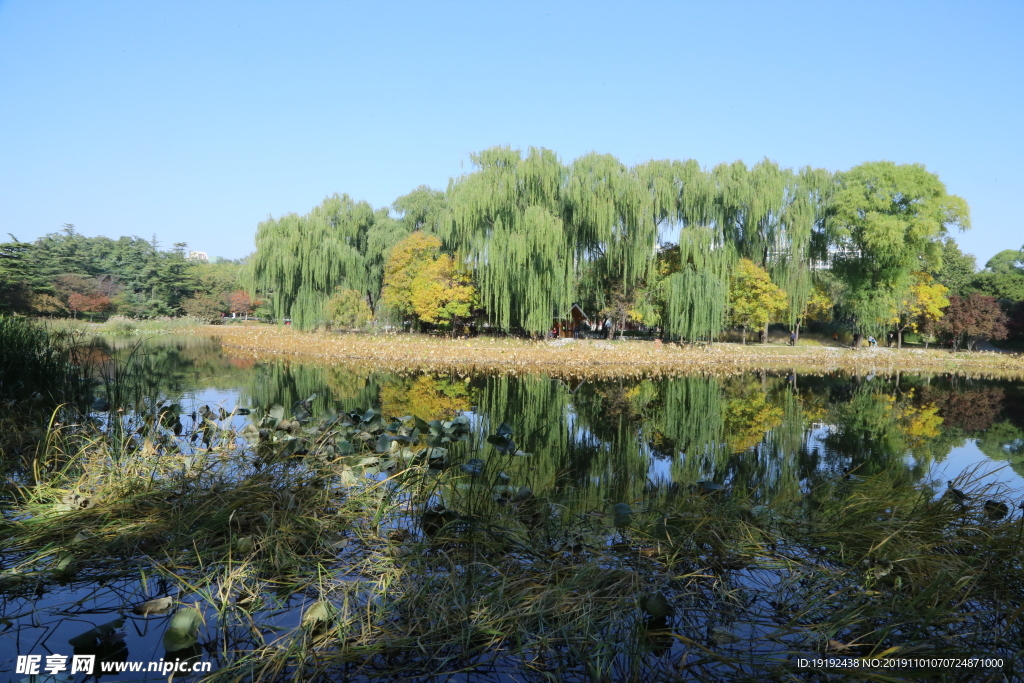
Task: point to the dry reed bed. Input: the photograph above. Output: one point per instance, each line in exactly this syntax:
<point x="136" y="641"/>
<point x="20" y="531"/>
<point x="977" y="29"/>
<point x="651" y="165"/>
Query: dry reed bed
<point x="542" y="586"/>
<point x="596" y="358"/>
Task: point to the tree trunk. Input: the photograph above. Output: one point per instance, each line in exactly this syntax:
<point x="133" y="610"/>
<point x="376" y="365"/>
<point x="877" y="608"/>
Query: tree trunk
<point x="744" y="335"/>
<point x="899" y="339"/>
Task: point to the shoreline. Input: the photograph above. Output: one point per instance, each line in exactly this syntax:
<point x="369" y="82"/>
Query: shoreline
<point x="596" y="358"/>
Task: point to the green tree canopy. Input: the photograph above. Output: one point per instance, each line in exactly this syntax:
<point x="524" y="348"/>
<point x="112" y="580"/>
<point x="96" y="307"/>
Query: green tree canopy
<point x="140" y="279"/>
<point x="508" y="219"/>
<point x="1003" y="276"/>
<point x="348" y="308"/>
<point x="301" y="260"/>
<point x="889" y="221"/>
<point x="956" y="270"/>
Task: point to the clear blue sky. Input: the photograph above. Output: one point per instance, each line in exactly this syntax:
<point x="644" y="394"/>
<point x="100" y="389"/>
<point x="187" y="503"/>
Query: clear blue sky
<point x="197" y="120"/>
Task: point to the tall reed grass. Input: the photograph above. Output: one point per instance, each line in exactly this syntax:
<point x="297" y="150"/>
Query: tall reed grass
<point x="39" y="365"/>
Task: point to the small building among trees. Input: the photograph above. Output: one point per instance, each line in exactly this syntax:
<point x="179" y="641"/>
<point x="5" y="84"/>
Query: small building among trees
<point x="571" y="324"/>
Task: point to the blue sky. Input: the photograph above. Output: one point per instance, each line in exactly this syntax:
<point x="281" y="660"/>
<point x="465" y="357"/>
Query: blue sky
<point x="194" y="121"/>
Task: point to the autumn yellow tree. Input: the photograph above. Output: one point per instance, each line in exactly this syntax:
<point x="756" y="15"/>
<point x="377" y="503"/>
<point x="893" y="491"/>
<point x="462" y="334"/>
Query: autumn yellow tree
<point x="920" y="308"/>
<point x="819" y="306"/>
<point x="750" y="410"/>
<point x="754" y="300"/>
<point x="442" y="293"/>
<point x="421" y="281"/>
<point x="748" y="418"/>
<point x="406" y="260"/>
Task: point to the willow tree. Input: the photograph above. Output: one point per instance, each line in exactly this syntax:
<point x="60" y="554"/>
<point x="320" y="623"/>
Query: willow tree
<point x="507" y="220"/>
<point x="687" y="425"/>
<point x="696" y="289"/>
<point x="801" y="239"/>
<point x="381" y="239"/>
<point x="680" y="195"/>
<point x="615" y="234"/>
<point x="422" y="209"/>
<point x="775" y="218"/>
<point x="301" y="260"/>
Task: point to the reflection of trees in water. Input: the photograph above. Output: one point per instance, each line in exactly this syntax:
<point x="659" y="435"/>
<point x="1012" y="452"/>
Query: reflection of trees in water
<point x="773" y="465"/>
<point x="426" y="397"/>
<point x="168" y="366"/>
<point x="610" y="458"/>
<point x="596" y="440"/>
<point x="1004" y="441"/>
<point x="751" y="432"/>
<point x="537" y="409"/>
<point x="865" y="429"/>
<point x="284" y="382"/>
<point x="875" y="428"/>
<point x="998" y="425"/>
<point x="969" y="409"/>
<point x="749" y="412"/>
<point x="992" y="413"/>
<point x="687" y="420"/>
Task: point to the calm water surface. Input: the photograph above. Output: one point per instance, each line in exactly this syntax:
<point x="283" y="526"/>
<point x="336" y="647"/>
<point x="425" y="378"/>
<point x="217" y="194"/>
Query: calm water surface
<point x="771" y="425"/>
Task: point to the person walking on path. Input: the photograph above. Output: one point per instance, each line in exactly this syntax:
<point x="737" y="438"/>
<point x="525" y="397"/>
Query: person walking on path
<point x="792" y="338"/>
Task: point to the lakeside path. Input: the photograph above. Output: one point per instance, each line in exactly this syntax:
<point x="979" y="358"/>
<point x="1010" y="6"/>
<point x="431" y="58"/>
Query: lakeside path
<point x="597" y="358"/>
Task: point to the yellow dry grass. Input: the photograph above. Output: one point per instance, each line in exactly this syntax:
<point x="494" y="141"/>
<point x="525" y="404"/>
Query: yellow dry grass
<point x="596" y="358"/>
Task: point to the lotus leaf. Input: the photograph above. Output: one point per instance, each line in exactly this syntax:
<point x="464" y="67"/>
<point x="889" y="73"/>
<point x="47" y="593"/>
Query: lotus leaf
<point x="317" y="614"/>
<point x="65" y="561"/>
<point x="655" y="605"/>
<point x="473" y="467"/>
<point x="90" y="637"/>
<point x="724" y="636"/>
<point x="503" y="444"/>
<point x="183" y="631"/>
<point x="623" y="516"/>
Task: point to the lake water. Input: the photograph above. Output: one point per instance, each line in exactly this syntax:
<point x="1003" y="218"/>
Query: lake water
<point x="765" y="433"/>
<point x="759" y="429"/>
